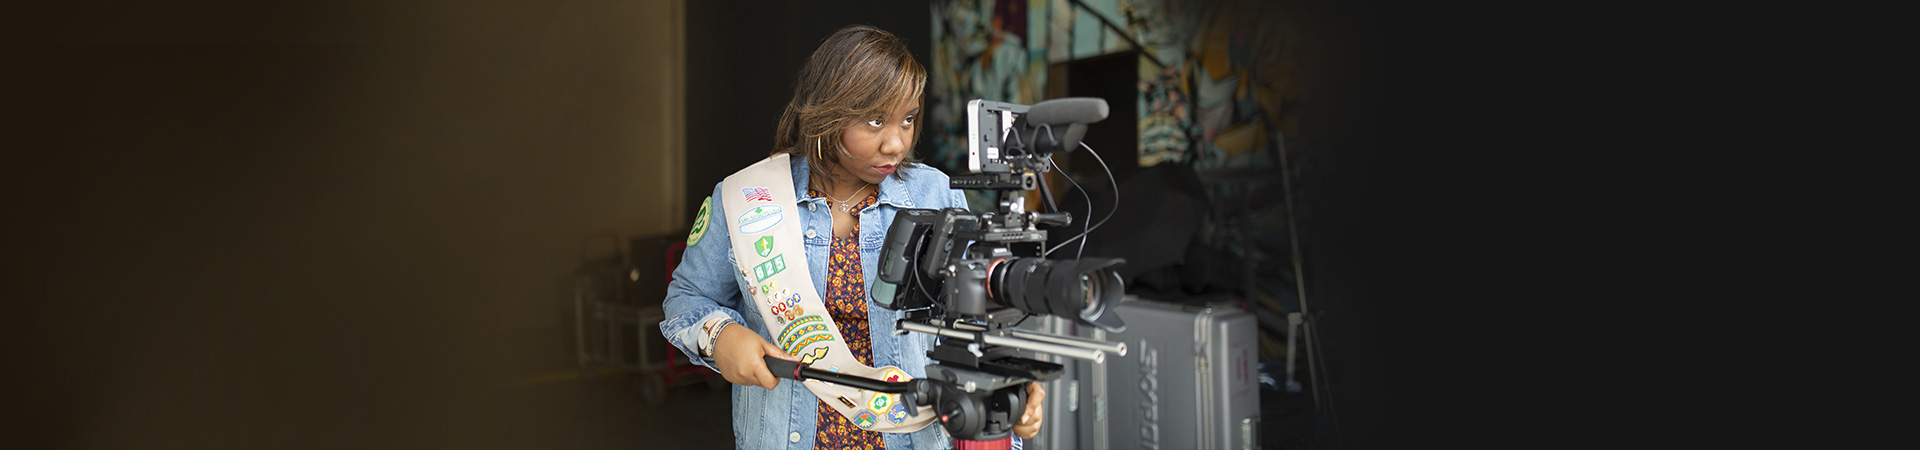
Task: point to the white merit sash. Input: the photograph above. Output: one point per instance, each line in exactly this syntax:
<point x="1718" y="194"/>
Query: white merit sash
<point x="766" y="234"/>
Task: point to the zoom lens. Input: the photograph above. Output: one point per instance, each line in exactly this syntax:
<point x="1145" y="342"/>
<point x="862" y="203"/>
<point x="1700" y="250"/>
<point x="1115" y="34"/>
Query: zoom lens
<point x="1084" y="290"/>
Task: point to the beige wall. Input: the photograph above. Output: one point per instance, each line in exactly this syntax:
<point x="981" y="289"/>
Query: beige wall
<point x="338" y="224"/>
<point x="562" y="119"/>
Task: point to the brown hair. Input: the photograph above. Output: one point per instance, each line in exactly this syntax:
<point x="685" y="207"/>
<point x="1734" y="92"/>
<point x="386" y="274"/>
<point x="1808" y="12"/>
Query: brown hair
<point x="858" y="72"/>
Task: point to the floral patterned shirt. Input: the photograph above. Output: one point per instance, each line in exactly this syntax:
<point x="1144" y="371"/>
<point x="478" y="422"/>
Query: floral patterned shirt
<point x="846" y="303"/>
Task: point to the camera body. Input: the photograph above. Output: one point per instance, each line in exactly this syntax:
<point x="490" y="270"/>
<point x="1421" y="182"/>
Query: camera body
<point x="974" y="267"/>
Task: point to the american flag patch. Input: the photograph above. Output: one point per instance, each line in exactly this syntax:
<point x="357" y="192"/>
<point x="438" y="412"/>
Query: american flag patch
<point x="757" y="194"/>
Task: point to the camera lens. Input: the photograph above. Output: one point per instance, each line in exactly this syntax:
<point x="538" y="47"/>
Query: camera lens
<point x="1092" y="291"/>
<point x="1084" y="290"/>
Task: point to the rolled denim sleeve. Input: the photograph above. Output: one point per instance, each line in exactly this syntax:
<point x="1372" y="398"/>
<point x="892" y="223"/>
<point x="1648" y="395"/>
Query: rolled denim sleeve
<point x="958" y="200"/>
<point x="703" y="286"/>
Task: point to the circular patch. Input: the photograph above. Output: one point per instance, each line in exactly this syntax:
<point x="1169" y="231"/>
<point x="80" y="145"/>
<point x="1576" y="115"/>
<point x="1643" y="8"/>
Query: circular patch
<point x="700" y="222"/>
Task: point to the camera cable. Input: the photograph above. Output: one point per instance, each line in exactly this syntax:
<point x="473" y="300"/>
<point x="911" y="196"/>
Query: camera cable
<point x="1088" y="227"/>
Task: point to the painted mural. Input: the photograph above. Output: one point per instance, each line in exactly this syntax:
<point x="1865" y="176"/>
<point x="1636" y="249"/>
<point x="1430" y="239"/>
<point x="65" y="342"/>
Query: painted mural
<point x="981" y="49"/>
<point x="1218" y="78"/>
<point x="1229" y="85"/>
<point x="1221" y="89"/>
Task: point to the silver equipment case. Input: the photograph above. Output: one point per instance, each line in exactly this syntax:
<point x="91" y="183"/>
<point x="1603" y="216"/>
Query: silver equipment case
<point x="1189" y="380"/>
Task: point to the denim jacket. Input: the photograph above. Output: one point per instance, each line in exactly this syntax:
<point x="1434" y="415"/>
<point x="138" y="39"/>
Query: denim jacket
<point x="706" y="285"/>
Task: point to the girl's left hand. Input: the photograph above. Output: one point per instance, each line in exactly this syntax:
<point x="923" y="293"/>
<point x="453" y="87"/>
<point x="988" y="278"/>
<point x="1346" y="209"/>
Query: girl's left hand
<point x="1029" y="425"/>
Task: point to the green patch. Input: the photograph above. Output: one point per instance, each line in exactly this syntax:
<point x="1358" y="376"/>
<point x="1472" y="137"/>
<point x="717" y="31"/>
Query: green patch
<point x="764" y="245"/>
<point x="700" y="222"/>
<point x="768" y="269"/>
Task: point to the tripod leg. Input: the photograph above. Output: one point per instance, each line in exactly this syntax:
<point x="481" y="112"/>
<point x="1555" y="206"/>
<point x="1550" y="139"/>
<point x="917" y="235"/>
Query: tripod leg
<point x="1293" y="333"/>
<point x="1313" y="376"/>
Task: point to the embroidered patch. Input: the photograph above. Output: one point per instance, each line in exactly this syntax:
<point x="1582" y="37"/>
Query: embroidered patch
<point x="764" y="246"/>
<point x="760" y="218"/>
<point x="795" y="325"/>
<point x="880" y="403"/>
<point x="768" y="269"/>
<point x="700" y="222"/>
<point x="802" y="332"/>
<point x="893" y="375"/>
<point x="809" y="339"/>
<point x="814" y="355"/>
<point x="897" y="415"/>
<point x="864" y="419"/>
<point x="757" y="194"/>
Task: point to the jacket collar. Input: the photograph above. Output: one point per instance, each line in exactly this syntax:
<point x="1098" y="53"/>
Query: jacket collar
<point x="893" y="191"/>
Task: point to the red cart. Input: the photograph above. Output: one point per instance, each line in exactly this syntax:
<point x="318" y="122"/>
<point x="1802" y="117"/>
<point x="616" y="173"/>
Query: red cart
<point x="613" y="329"/>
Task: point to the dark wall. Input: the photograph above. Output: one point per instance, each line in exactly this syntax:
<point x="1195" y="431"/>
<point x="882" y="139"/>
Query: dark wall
<point x="742" y="58"/>
<point x="1112" y="77"/>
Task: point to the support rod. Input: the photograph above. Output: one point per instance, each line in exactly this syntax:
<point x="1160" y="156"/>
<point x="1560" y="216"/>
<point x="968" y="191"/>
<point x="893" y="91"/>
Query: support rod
<point x="1117" y="348"/>
<point x="1097" y="356"/>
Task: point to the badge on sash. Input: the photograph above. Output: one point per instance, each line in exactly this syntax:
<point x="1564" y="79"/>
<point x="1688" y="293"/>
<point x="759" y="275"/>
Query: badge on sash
<point x="700" y="222"/>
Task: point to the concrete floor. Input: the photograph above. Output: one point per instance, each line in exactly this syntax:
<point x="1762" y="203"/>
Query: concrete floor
<point x="608" y="412"/>
<point x="552" y="405"/>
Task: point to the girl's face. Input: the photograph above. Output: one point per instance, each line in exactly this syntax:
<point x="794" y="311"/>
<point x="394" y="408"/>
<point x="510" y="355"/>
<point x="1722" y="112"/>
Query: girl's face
<point x="876" y="145"/>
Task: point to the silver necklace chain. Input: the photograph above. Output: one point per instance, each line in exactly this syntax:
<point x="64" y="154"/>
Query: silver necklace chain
<point x="844" y="206"/>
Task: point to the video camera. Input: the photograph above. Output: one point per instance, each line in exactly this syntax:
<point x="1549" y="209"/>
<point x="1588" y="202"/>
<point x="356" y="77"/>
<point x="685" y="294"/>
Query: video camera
<point x="999" y="263"/>
<point x="971" y="278"/>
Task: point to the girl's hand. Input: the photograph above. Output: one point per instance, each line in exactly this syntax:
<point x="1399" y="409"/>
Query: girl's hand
<point x="737" y="353"/>
<point x="1029" y="425"/>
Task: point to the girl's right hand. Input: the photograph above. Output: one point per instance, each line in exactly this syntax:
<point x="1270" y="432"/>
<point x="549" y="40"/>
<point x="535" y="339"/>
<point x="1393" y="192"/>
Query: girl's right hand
<point x="737" y="352"/>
